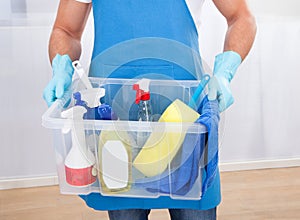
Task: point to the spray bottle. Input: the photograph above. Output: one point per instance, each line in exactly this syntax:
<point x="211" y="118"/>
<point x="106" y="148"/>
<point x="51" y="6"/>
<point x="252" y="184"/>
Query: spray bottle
<point x="144" y="108"/>
<point x="90" y="99"/>
<point x="143" y="100"/>
<point x="80" y="161"/>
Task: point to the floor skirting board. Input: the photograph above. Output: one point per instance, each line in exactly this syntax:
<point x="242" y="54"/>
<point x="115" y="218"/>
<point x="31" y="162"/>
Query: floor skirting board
<point x="259" y="164"/>
<point x="224" y="167"/>
<point x="28" y="182"/>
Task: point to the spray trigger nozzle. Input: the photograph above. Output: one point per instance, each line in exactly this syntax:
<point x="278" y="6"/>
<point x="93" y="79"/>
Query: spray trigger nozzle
<point x="142" y="90"/>
<point x="75" y="113"/>
<point x="92" y="96"/>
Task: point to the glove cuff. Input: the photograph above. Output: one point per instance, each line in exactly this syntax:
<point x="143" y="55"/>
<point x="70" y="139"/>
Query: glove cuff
<point x="62" y="63"/>
<point x="226" y="64"/>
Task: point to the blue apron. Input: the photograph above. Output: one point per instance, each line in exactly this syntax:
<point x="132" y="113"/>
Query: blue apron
<point x="119" y="21"/>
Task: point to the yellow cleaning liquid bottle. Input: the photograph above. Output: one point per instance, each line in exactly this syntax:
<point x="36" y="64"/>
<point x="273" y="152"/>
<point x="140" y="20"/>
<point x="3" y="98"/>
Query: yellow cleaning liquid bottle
<point x="115" y="161"/>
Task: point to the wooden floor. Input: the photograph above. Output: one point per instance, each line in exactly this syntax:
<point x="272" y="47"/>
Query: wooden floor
<point x="259" y="194"/>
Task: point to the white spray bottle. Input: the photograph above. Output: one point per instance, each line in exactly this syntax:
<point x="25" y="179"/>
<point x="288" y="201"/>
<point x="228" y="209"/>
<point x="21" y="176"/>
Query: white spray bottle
<point x="92" y="96"/>
<point x="80" y="161"/>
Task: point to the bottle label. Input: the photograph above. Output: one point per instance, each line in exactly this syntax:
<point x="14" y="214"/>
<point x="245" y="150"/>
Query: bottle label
<point x="80" y="177"/>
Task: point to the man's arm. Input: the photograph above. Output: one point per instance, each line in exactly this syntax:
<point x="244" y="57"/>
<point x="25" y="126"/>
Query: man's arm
<point x="68" y="27"/>
<point x="65" y="46"/>
<point x="241" y="25"/>
<point x="238" y="42"/>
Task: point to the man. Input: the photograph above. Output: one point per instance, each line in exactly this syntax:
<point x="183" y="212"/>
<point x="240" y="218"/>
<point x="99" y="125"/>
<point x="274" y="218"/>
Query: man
<point x="118" y="21"/>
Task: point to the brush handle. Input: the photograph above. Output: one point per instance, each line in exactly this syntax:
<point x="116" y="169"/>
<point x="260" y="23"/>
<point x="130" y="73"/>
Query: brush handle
<point x="205" y="79"/>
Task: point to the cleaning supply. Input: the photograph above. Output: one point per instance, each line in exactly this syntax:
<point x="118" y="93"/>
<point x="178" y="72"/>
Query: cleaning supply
<point x="161" y="147"/>
<point x="142" y="99"/>
<point x="81" y="73"/>
<point x="80" y="161"/>
<point x="193" y="101"/>
<point x="115" y="161"/>
<point x="193" y="159"/>
<point x="90" y="99"/>
<point x="114" y="155"/>
<point x="106" y="113"/>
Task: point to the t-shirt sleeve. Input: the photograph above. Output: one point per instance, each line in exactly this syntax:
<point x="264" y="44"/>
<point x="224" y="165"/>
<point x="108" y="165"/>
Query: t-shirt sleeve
<point x="84" y="1"/>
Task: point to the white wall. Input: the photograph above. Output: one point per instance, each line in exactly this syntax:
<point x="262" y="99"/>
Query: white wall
<point x="262" y="124"/>
<point x="35" y="6"/>
<point x="24" y="73"/>
<point x="275" y="7"/>
<point x="5" y="10"/>
<point x="26" y="147"/>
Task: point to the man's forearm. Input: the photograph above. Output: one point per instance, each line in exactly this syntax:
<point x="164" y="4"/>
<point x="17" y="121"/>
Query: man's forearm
<point x="63" y="43"/>
<point x="240" y="35"/>
<point x="69" y="25"/>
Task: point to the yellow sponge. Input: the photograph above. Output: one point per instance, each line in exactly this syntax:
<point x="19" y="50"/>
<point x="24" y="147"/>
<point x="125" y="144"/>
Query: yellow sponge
<point x="161" y="147"/>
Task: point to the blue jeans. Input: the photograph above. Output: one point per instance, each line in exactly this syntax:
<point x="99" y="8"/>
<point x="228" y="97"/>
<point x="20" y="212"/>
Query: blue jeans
<point x="176" y="214"/>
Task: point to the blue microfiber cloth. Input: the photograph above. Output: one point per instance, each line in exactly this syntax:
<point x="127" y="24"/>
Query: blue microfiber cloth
<point x="192" y="158"/>
<point x="210" y="118"/>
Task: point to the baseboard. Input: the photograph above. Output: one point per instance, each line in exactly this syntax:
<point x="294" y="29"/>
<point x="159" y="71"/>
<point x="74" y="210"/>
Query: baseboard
<point x="261" y="164"/>
<point x="224" y="167"/>
<point x="28" y="182"/>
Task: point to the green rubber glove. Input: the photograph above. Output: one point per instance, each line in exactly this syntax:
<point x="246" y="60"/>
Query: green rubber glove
<point x="225" y="67"/>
